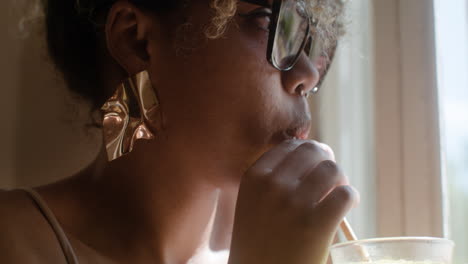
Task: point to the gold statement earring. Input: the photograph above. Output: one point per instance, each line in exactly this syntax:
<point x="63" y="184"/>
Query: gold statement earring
<point x="130" y="114"/>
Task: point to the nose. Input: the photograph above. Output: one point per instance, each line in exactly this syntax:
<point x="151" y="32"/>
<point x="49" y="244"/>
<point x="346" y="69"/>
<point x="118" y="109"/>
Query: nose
<point x="304" y="76"/>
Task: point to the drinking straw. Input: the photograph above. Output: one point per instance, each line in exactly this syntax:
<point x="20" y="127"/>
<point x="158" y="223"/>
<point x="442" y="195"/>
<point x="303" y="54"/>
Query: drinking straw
<point x="351" y="236"/>
<point x="347" y="230"/>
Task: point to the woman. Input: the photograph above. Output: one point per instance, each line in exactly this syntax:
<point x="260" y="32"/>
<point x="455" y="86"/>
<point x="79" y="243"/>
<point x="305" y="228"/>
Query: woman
<point x="220" y="119"/>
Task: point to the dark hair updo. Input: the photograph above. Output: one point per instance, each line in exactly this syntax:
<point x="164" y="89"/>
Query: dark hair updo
<point x="73" y="32"/>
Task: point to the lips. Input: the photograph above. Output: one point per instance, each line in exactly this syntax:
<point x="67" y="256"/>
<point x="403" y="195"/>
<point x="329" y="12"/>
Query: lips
<point x="300" y="132"/>
<point x="303" y="132"/>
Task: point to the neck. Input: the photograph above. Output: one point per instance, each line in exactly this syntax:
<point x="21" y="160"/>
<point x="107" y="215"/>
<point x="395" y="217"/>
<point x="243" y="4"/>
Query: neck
<point x="169" y="199"/>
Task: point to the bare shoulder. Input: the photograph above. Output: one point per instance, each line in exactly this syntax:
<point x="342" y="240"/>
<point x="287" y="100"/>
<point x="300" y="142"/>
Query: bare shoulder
<point x="26" y="236"/>
<point x="16" y="209"/>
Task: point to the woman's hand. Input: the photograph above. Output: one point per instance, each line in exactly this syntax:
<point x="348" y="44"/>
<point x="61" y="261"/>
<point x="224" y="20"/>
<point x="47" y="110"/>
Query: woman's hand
<point x="290" y="204"/>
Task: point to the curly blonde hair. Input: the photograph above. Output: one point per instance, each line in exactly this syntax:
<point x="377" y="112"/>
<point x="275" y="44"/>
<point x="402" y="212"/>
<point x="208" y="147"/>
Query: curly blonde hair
<point x="328" y="18"/>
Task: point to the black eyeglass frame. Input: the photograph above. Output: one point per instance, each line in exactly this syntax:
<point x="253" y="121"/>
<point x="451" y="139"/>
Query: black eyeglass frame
<point x="276" y="8"/>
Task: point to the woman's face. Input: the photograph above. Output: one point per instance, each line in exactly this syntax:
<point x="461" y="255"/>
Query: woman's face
<point x="224" y="92"/>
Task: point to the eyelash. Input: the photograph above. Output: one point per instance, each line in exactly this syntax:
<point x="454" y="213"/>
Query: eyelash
<point x="259" y="13"/>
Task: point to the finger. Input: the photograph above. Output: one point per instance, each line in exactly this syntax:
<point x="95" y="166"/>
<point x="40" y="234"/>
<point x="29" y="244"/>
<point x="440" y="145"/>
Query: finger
<point x="301" y="161"/>
<point x="320" y="182"/>
<point x="329" y="150"/>
<point x="334" y="207"/>
<point x="270" y="159"/>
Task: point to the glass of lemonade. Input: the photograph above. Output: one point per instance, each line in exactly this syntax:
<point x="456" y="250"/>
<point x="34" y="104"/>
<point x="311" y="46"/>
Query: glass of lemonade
<point x="397" y="250"/>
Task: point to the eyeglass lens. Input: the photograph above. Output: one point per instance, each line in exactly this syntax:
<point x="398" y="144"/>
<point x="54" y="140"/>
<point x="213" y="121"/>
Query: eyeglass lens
<point x="319" y="54"/>
<point x="291" y="30"/>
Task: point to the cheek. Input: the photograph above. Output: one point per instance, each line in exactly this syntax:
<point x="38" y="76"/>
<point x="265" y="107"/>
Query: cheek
<point x="228" y="83"/>
<point x="247" y="85"/>
<point x="267" y="108"/>
<point x="230" y="71"/>
<point x="268" y="116"/>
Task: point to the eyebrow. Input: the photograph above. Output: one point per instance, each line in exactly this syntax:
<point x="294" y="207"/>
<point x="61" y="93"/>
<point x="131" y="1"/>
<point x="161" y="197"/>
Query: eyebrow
<point x="264" y="3"/>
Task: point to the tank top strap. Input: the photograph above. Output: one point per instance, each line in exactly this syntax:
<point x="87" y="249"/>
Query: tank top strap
<point x="52" y="220"/>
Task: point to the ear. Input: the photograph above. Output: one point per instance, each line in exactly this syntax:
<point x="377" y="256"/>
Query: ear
<point x="127" y="32"/>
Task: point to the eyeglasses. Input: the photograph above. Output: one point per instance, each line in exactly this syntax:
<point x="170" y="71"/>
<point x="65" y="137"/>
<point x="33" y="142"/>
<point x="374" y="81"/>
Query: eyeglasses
<point x="290" y="33"/>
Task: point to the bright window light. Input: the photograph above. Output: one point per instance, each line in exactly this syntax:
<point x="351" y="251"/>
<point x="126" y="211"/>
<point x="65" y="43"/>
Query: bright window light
<point x="452" y="65"/>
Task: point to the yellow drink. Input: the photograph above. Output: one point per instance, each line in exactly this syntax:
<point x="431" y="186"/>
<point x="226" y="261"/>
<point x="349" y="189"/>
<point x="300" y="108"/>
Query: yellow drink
<point x="398" y="250"/>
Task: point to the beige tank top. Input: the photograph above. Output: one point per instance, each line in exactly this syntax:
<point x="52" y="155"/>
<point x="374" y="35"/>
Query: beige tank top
<point x="52" y="220"/>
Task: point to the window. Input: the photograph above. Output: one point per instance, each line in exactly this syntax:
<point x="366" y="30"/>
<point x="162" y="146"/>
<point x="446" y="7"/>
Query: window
<point x="452" y="66"/>
<point x="344" y="109"/>
<point x="395" y="110"/>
